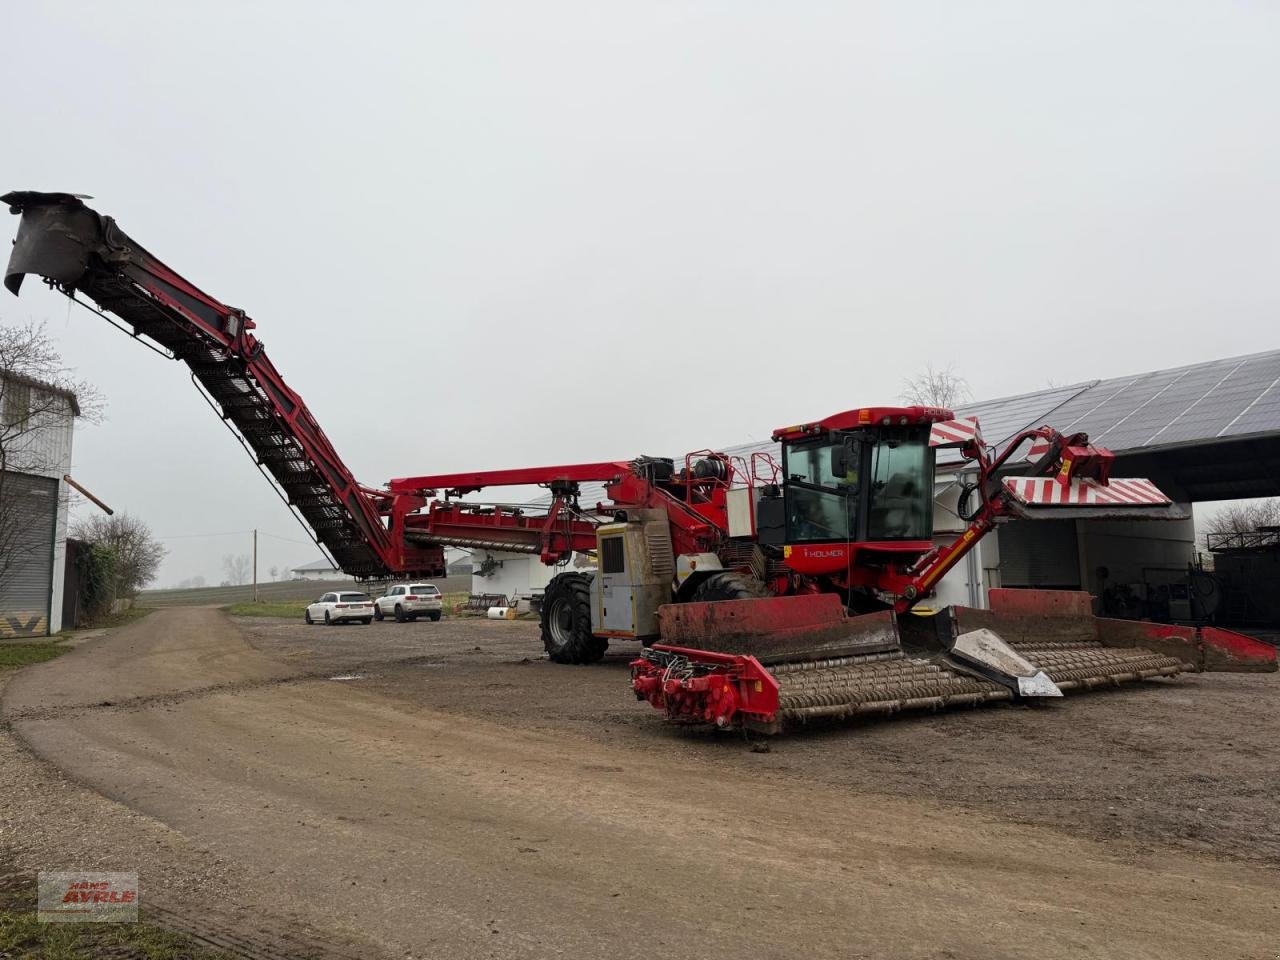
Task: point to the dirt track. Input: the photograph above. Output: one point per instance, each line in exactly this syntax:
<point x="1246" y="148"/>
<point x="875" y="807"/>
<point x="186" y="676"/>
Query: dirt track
<point x="461" y="800"/>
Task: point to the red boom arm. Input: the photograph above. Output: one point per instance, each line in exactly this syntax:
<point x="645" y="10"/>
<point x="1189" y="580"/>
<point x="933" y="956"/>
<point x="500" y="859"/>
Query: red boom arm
<point x="77" y="250"/>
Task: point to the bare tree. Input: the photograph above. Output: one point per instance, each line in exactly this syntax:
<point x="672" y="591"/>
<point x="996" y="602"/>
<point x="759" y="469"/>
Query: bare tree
<point x="275" y="573"/>
<point x="137" y="554"/>
<point x="1245" y="517"/>
<point x="936" y="388"/>
<point x="237" y="568"/>
<point x="37" y="396"/>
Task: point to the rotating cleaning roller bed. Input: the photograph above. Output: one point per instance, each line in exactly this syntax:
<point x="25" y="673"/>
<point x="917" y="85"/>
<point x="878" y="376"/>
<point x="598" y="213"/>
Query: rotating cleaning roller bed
<point x="736" y="663"/>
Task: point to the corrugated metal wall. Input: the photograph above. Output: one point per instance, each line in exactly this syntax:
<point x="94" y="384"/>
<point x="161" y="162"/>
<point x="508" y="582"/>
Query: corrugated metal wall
<point x="44" y="446"/>
<point x="1039" y="553"/>
<point x="28" y="513"/>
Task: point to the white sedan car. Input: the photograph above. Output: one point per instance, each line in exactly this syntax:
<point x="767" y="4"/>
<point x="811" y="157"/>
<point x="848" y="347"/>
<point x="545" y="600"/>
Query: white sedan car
<point x="340" y="607"/>
<point x="409" y="601"/>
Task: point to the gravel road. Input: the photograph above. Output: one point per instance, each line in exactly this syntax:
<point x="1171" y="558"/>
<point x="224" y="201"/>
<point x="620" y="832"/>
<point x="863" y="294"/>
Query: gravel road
<point x="464" y="798"/>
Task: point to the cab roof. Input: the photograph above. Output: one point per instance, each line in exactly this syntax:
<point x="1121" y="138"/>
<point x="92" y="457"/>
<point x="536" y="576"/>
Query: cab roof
<point x="865" y="417"/>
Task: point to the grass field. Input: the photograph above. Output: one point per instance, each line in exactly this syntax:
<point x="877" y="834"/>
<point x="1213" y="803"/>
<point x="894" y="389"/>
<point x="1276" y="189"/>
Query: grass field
<point x="22" y="935"/>
<point x="14" y="655"/>
<point x="289" y="590"/>
<point x="22" y="653"/>
<point x="269" y="608"/>
<point x="219" y="596"/>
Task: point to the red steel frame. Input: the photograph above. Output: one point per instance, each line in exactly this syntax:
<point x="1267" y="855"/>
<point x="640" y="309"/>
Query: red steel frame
<point x="230" y="330"/>
<point x="696" y="507"/>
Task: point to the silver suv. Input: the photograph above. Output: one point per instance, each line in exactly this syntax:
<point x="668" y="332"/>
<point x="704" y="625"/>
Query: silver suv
<point x="409" y="601"/>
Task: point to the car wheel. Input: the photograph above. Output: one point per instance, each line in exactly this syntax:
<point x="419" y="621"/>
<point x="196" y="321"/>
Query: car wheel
<point x="327" y="621"/>
<point x="306" y="616"/>
<point x="435" y="617"/>
<point x="377" y="613"/>
<point x="399" y="614"/>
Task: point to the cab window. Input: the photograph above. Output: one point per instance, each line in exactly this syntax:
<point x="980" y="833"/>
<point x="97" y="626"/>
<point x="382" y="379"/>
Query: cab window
<point x="901" y="495"/>
<point x="820" y="505"/>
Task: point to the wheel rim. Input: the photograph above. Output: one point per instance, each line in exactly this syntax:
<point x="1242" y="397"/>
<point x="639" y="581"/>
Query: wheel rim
<point x="560" y="622"/>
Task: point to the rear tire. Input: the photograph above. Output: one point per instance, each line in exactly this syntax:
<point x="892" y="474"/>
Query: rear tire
<point x="327" y="621"/>
<point x="367" y="620"/>
<point x="399" y="614"/>
<point x="566" y="621"/>
<point x="435" y="618"/>
<point x="729" y="586"/>
<point x="378" y="614"/>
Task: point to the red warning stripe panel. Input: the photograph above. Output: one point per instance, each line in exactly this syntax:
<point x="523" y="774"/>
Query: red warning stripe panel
<point x="1037" y="450"/>
<point x="1048" y="491"/>
<point x="950" y="433"/>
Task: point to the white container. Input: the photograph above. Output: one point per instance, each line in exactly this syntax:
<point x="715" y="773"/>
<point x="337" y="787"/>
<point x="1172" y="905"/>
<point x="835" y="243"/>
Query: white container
<point x="501" y="613"/>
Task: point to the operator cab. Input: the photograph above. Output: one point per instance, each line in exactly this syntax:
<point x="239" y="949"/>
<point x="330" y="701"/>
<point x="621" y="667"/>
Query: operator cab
<point x="856" y="487"/>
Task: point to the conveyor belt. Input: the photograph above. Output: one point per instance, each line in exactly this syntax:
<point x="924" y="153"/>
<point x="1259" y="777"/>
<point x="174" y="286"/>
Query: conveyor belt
<point x="80" y="252"/>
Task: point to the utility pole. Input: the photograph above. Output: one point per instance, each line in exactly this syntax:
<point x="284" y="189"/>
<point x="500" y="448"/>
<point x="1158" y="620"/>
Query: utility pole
<point x="255" y="564"/>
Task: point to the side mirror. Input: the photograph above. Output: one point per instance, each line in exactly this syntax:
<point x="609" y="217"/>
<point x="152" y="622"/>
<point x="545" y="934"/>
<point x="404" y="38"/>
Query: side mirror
<point x="844" y="459"/>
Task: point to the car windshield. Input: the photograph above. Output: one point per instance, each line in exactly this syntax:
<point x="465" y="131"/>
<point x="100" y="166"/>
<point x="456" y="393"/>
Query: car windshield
<point x="351" y="597"/>
<point x="423" y="588"/>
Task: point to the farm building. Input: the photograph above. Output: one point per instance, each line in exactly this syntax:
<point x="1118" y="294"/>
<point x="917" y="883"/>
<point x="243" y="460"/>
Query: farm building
<point x="36" y="426"/>
<point x="322" y="569"/>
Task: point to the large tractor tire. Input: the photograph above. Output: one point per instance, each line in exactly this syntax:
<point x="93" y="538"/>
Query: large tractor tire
<point x="729" y="586"/>
<point x="566" y="621"/>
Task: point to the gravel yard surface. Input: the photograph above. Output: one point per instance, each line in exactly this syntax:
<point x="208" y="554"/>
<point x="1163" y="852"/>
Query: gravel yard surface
<point x="438" y="789"/>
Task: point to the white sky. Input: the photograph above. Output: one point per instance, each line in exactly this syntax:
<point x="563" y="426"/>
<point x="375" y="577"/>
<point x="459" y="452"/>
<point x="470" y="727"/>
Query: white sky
<point x="507" y="234"/>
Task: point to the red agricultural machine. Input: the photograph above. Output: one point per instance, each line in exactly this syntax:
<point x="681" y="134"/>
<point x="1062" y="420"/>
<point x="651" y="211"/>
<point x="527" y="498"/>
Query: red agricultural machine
<point x="765" y="593"/>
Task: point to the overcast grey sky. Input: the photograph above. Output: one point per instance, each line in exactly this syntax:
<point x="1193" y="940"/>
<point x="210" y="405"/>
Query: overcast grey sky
<point x="504" y="234"/>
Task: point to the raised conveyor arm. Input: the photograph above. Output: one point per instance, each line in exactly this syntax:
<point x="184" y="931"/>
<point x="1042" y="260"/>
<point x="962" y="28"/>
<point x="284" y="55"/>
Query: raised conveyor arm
<point x="76" y="250"/>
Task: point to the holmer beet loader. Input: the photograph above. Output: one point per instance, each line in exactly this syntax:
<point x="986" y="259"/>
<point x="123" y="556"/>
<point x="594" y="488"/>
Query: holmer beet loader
<point x="765" y="593"/>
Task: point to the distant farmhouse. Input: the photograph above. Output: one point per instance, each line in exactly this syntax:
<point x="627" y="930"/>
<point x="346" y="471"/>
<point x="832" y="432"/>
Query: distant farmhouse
<point x="320" y="569"/>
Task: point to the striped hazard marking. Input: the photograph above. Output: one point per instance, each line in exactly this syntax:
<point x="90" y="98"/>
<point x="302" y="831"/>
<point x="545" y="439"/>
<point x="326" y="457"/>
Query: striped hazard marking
<point x="953" y="432"/>
<point x="1049" y="491"/>
<point x="1037" y="450"/>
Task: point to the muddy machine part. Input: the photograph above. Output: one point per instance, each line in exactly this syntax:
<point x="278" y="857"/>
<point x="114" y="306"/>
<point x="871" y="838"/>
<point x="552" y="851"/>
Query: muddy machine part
<point x="1030" y="644"/>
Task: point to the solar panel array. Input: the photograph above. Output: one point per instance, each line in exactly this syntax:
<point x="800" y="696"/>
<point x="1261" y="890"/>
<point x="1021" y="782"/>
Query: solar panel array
<point x="1202" y="402"/>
